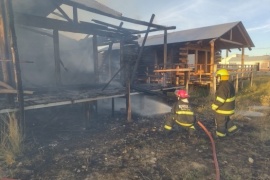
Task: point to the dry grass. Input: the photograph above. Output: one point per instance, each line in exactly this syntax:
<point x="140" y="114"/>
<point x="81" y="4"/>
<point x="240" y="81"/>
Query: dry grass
<point x="10" y="138"/>
<point x="258" y="93"/>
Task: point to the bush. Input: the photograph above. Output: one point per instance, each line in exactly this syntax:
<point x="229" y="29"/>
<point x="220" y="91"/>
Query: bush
<point x="10" y="138"/>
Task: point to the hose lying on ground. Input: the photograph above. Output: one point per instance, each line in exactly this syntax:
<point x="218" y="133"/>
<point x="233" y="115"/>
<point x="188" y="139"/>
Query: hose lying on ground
<point x="213" y="148"/>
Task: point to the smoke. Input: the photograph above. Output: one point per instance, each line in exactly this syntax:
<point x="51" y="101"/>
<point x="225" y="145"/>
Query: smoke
<point x="140" y="104"/>
<point x="76" y="57"/>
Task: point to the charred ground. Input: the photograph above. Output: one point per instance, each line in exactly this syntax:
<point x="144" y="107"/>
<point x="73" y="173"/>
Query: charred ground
<point x="58" y="146"/>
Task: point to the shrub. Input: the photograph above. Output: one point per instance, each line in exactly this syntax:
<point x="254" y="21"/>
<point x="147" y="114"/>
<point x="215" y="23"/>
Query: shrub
<point x="10" y="138"/>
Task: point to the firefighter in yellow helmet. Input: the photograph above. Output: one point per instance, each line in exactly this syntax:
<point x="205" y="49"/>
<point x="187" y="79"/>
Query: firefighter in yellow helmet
<point x="181" y="113"/>
<point x="224" y="104"/>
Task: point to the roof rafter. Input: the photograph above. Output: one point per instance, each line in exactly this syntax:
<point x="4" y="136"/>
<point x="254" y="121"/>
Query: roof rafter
<point x="86" y="28"/>
<point x="122" y="18"/>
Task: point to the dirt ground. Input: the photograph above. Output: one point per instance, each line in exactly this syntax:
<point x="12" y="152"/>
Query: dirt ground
<point x="59" y="146"/>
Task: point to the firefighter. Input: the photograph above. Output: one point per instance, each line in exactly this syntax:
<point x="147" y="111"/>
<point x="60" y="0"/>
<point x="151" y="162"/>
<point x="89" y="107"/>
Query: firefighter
<point x="224" y="104"/>
<point x="181" y="113"/>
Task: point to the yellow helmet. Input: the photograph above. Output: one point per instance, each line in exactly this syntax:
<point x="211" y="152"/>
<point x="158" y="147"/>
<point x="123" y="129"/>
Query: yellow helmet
<point x="223" y="74"/>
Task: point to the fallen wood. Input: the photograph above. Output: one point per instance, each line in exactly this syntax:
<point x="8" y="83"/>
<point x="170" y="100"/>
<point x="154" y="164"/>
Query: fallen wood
<point x="5" y="85"/>
<point x="13" y="91"/>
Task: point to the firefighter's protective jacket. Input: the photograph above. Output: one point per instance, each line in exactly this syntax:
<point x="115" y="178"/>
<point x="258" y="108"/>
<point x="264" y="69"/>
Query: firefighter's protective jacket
<point x="224" y="99"/>
<point x="183" y="114"/>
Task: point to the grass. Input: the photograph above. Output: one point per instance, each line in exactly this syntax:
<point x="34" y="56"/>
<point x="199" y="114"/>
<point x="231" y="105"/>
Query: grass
<point x="258" y="93"/>
<point x="10" y="138"/>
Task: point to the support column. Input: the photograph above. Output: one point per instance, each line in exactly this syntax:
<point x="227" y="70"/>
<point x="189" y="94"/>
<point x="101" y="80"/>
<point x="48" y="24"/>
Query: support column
<point x="242" y="67"/>
<point x="95" y="57"/>
<point x="57" y="57"/>
<point x="4" y="51"/>
<point x="16" y="64"/>
<point x="165" y="58"/>
<point x="113" y="109"/>
<point x="128" y="98"/>
<point x="213" y="84"/>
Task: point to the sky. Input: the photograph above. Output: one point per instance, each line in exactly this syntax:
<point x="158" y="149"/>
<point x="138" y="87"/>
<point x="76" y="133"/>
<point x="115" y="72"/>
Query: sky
<point x="199" y="13"/>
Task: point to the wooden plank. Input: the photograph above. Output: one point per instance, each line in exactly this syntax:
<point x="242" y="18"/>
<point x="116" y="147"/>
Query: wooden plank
<point x="13" y="91"/>
<point x="141" y="51"/>
<point x="82" y="27"/>
<point x="173" y="70"/>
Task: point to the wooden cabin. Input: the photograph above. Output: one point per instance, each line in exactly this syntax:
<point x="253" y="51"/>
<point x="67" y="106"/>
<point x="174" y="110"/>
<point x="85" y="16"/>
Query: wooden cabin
<point x="189" y="56"/>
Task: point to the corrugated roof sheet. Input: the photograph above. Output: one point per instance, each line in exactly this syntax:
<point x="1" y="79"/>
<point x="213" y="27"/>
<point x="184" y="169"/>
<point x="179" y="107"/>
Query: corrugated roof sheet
<point x="196" y="34"/>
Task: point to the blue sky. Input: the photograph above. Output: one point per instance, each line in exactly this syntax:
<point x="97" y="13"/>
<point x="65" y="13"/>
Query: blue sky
<point x="198" y="13"/>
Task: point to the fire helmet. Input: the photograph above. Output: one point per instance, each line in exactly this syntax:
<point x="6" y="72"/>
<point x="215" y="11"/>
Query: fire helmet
<point x="223" y="74"/>
<point x="181" y="93"/>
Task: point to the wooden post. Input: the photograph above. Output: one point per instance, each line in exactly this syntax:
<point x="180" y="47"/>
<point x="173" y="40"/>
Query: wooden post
<point x="4" y="51"/>
<point x="212" y="85"/>
<point x="141" y="50"/>
<point x="95" y="57"/>
<point x="165" y="57"/>
<point x="214" y="78"/>
<point x="187" y="77"/>
<point x="251" y="78"/>
<point x="16" y="65"/>
<point x="242" y="67"/>
<point x="128" y="99"/>
<point x="122" y="65"/>
<point x="113" y="107"/>
<point x="75" y="14"/>
<point x="87" y="113"/>
<point x="196" y="61"/>
<point x="236" y="83"/>
<point x="109" y="60"/>
<point x="57" y="57"/>
<point x="206" y="62"/>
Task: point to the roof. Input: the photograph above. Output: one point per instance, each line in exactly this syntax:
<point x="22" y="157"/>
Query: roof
<point x="45" y="7"/>
<point x="239" y="35"/>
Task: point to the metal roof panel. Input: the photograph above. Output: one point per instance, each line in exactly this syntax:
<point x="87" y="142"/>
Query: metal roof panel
<point x="202" y="33"/>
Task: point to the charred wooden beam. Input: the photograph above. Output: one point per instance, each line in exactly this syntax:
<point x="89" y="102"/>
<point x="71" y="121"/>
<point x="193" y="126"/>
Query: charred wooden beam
<point x="13" y="91"/>
<point x="58" y="14"/>
<point x="4" y="50"/>
<point x="111" y="43"/>
<point x="75" y="14"/>
<point x="141" y="50"/>
<point x="122" y="18"/>
<point x="82" y="27"/>
<point x="5" y="85"/>
<point x="37" y="31"/>
<point x="95" y="58"/>
<point x="57" y="57"/>
<point x="61" y="11"/>
<point x="16" y="64"/>
<point x="114" y="26"/>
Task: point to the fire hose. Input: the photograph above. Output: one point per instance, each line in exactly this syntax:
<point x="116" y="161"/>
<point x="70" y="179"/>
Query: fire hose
<point x="213" y="149"/>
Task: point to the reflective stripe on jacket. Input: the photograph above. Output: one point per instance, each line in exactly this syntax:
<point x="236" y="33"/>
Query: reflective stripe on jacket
<point x="183" y="113"/>
<point x="224" y="99"/>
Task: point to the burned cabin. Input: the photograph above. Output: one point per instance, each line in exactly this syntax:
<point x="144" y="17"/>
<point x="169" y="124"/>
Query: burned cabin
<point x="44" y="65"/>
<point x="190" y="56"/>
